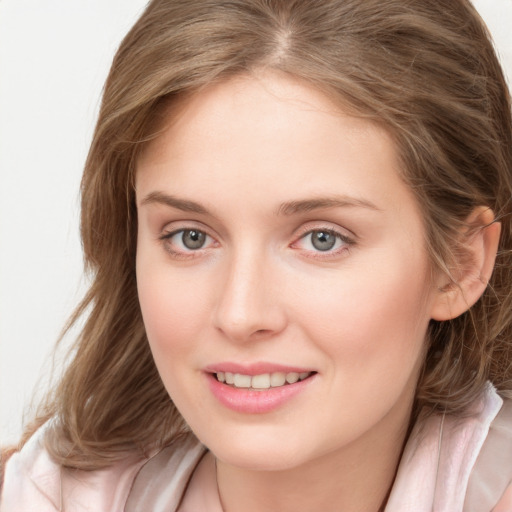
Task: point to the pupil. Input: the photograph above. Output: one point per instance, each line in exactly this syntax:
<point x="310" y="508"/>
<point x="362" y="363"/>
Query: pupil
<point x="322" y="240"/>
<point x="193" y="239"/>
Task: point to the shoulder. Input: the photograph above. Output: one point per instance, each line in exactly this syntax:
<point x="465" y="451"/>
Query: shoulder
<point x="33" y="481"/>
<point x="451" y="463"/>
<point x="490" y="483"/>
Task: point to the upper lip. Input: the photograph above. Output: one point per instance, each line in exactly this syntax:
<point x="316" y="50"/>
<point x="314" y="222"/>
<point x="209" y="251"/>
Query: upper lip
<point x="252" y="369"/>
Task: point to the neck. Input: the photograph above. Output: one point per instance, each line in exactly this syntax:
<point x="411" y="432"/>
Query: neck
<point x="356" y="478"/>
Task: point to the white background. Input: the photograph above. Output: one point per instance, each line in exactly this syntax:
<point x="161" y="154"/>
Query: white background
<point x="54" y="57"/>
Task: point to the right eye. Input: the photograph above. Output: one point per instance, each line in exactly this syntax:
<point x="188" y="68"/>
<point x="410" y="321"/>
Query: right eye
<point x="185" y="241"/>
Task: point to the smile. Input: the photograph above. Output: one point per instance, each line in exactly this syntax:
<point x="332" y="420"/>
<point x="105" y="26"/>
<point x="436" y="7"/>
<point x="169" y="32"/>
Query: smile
<point x="257" y="388"/>
<point x="262" y="381"/>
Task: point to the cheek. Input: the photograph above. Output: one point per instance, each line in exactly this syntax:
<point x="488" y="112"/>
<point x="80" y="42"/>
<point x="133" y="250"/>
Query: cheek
<point x="174" y="313"/>
<point x="172" y="308"/>
<point x="380" y="313"/>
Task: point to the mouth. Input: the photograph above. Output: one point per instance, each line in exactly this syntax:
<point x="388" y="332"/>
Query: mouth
<point x="258" y="388"/>
<point x="262" y="381"/>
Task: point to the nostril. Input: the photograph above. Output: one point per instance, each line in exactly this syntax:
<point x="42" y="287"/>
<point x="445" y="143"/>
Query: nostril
<point x="262" y="333"/>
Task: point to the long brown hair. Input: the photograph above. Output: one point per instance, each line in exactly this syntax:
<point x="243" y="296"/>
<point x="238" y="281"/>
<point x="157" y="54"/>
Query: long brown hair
<point x="424" y="69"/>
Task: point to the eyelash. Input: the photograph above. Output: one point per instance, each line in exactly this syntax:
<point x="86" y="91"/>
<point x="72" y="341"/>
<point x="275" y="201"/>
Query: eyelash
<point x="343" y="241"/>
<point x="185" y="253"/>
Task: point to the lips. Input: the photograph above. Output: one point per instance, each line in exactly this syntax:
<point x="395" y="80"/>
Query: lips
<point x="257" y="388"/>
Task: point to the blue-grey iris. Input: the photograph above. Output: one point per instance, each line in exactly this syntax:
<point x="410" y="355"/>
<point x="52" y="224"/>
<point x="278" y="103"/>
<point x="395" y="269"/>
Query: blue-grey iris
<point x="193" y="239"/>
<point x="323" y="240"/>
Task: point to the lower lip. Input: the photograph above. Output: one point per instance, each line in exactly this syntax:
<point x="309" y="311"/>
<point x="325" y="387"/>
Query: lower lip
<point x="249" y="401"/>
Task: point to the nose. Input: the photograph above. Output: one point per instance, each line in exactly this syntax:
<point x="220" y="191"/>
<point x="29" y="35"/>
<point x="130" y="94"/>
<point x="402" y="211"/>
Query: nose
<point x="249" y="304"/>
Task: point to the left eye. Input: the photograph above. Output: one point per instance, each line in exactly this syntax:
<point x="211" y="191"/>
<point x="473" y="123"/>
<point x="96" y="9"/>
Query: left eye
<point x="187" y="240"/>
<point x="322" y="240"/>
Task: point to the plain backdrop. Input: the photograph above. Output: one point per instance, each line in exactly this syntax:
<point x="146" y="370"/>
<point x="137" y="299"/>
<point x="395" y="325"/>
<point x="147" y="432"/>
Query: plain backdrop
<point x="54" y="57"/>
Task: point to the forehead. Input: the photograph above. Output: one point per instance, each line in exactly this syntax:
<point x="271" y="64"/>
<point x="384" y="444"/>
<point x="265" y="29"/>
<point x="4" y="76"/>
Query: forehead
<point x="267" y="104"/>
<point x="269" y="132"/>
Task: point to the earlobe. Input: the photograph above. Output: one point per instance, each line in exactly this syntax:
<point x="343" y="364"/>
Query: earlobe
<point x="458" y="292"/>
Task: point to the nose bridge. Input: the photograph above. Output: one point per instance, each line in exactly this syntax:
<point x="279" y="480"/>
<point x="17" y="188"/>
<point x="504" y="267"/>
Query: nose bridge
<point x="247" y="301"/>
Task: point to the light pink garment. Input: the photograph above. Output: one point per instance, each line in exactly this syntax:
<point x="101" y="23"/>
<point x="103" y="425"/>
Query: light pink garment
<point x="437" y="472"/>
<point x="202" y="493"/>
<point x="34" y="483"/>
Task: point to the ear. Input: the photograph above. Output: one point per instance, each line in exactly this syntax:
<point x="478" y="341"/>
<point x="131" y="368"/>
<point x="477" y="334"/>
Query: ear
<point x="471" y="272"/>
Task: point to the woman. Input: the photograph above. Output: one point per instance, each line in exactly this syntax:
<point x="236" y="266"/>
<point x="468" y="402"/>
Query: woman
<point x="292" y="211"/>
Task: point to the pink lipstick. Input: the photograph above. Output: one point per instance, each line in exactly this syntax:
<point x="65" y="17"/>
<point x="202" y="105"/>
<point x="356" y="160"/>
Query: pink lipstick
<point x="256" y="388"/>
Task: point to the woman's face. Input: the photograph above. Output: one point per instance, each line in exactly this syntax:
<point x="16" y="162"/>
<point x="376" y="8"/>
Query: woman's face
<point x="277" y="242"/>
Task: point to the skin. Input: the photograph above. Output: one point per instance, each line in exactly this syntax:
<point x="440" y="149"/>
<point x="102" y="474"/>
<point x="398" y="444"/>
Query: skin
<point x="258" y="290"/>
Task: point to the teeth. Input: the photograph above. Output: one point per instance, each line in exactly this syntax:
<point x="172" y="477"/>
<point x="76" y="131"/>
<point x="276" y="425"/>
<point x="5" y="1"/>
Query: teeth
<point x="277" y="379"/>
<point x="292" y="377"/>
<point x="263" y="381"/>
<point x="242" y="381"/>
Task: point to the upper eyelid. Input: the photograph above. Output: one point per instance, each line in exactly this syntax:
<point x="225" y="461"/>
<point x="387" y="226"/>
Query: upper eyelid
<point x="183" y="225"/>
<point x="168" y="234"/>
<point x="345" y="239"/>
<point x="312" y="226"/>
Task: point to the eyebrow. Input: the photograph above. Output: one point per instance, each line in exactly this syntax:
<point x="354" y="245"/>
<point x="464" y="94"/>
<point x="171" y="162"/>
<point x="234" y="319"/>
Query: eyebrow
<point x="308" y="205"/>
<point x="174" y="202"/>
<point x="287" y="208"/>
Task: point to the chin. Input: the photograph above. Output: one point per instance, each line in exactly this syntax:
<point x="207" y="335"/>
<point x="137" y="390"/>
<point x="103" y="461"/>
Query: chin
<point x="261" y="461"/>
<point x="263" y="452"/>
